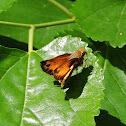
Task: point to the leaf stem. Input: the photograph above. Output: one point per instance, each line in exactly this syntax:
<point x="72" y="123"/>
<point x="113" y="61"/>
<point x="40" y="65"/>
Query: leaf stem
<point x="54" y="23"/>
<point x="106" y="56"/>
<point x="30" y="40"/>
<point x="33" y="26"/>
<point x="62" y="8"/>
<point x="15" y="24"/>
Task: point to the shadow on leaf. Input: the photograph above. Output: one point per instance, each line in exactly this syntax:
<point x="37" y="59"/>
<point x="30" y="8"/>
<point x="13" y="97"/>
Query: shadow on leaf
<point x="12" y="43"/>
<point x="104" y="119"/>
<point x="76" y="84"/>
<point x="116" y="56"/>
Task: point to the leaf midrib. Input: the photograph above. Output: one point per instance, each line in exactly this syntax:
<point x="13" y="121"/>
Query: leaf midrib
<point x="24" y="106"/>
<point x="11" y="67"/>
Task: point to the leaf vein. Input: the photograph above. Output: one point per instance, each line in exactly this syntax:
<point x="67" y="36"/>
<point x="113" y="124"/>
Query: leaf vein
<point x="100" y="10"/>
<point x="121" y="14"/>
<point x="122" y="58"/>
<point x="34" y="115"/>
<point x="117" y="82"/>
<point x="25" y="97"/>
<point x="11" y="67"/>
<point x="113" y="106"/>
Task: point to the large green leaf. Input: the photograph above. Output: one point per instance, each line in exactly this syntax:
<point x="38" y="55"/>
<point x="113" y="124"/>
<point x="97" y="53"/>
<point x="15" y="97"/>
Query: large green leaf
<point x="102" y="20"/>
<point x="35" y="12"/>
<point x="29" y="96"/>
<point x="5" y="4"/>
<point x="114" y="67"/>
<point x="13" y="74"/>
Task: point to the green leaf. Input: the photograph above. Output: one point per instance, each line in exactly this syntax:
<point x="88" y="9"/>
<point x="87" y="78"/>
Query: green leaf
<point x="13" y="74"/>
<point x="29" y="96"/>
<point x="102" y="20"/>
<point x="35" y="12"/>
<point x="8" y="58"/>
<point x="114" y="67"/>
<point x="6" y="4"/>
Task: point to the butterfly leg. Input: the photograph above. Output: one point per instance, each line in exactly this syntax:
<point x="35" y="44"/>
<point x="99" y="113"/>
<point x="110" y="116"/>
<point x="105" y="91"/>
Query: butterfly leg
<point x="67" y="75"/>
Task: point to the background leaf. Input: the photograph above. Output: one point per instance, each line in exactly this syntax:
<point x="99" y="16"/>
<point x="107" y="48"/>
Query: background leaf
<point x="35" y="99"/>
<point x="32" y="13"/>
<point x="6" y="4"/>
<point x="114" y="65"/>
<point x="102" y="20"/>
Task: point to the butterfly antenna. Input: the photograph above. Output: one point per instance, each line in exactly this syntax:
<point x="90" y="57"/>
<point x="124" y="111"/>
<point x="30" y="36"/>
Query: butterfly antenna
<point x="84" y="62"/>
<point x="97" y="52"/>
<point x="89" y="68"/>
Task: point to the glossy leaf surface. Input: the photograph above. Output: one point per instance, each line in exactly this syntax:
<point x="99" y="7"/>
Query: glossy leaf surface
<point x="13" y="74"/>
<point x="36" y="99"/>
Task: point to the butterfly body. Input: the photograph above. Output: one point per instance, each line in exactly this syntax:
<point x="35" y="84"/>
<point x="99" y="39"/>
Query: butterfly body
<point x="61" y="67"/>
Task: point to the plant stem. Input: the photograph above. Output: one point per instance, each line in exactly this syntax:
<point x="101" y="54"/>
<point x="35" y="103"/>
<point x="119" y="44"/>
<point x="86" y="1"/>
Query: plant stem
<point x="62" y="8"/>
<point x="54" y="23"/>
<point x="15" y="24"/>
<point x="39" y="25"/>
<point x="30" y="40"/>
<point x="33" y="26"/>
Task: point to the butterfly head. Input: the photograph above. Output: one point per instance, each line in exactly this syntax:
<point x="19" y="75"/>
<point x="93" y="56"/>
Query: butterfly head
<point x="83" y="51"/>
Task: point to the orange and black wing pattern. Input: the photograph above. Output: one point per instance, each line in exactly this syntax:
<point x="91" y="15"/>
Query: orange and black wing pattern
<point x="49" y="66"/>
<point x="64" y="71"/>
<point x="61" y="67"/>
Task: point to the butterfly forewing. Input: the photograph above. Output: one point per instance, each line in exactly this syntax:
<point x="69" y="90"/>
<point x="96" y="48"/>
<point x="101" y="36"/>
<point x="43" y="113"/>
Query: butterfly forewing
<point x="49" y="66"/>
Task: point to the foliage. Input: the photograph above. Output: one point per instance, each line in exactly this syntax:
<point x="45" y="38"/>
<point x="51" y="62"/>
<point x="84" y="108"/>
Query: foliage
<point x="28" y="30"/>
<point x="102" y="20"/>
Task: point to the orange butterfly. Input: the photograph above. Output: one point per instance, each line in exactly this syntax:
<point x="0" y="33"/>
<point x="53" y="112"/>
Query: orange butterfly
<point x="62" y="66"/>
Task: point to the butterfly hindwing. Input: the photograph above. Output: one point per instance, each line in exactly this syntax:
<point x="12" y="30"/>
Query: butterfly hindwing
<point x="67" y="76"/>
<point x="65" y="70"/>
<point x="49" y="66"/>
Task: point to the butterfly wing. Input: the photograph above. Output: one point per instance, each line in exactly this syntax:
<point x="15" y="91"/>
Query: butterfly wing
<point x="49" y="66"/>
<point x="64" y="71"/>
